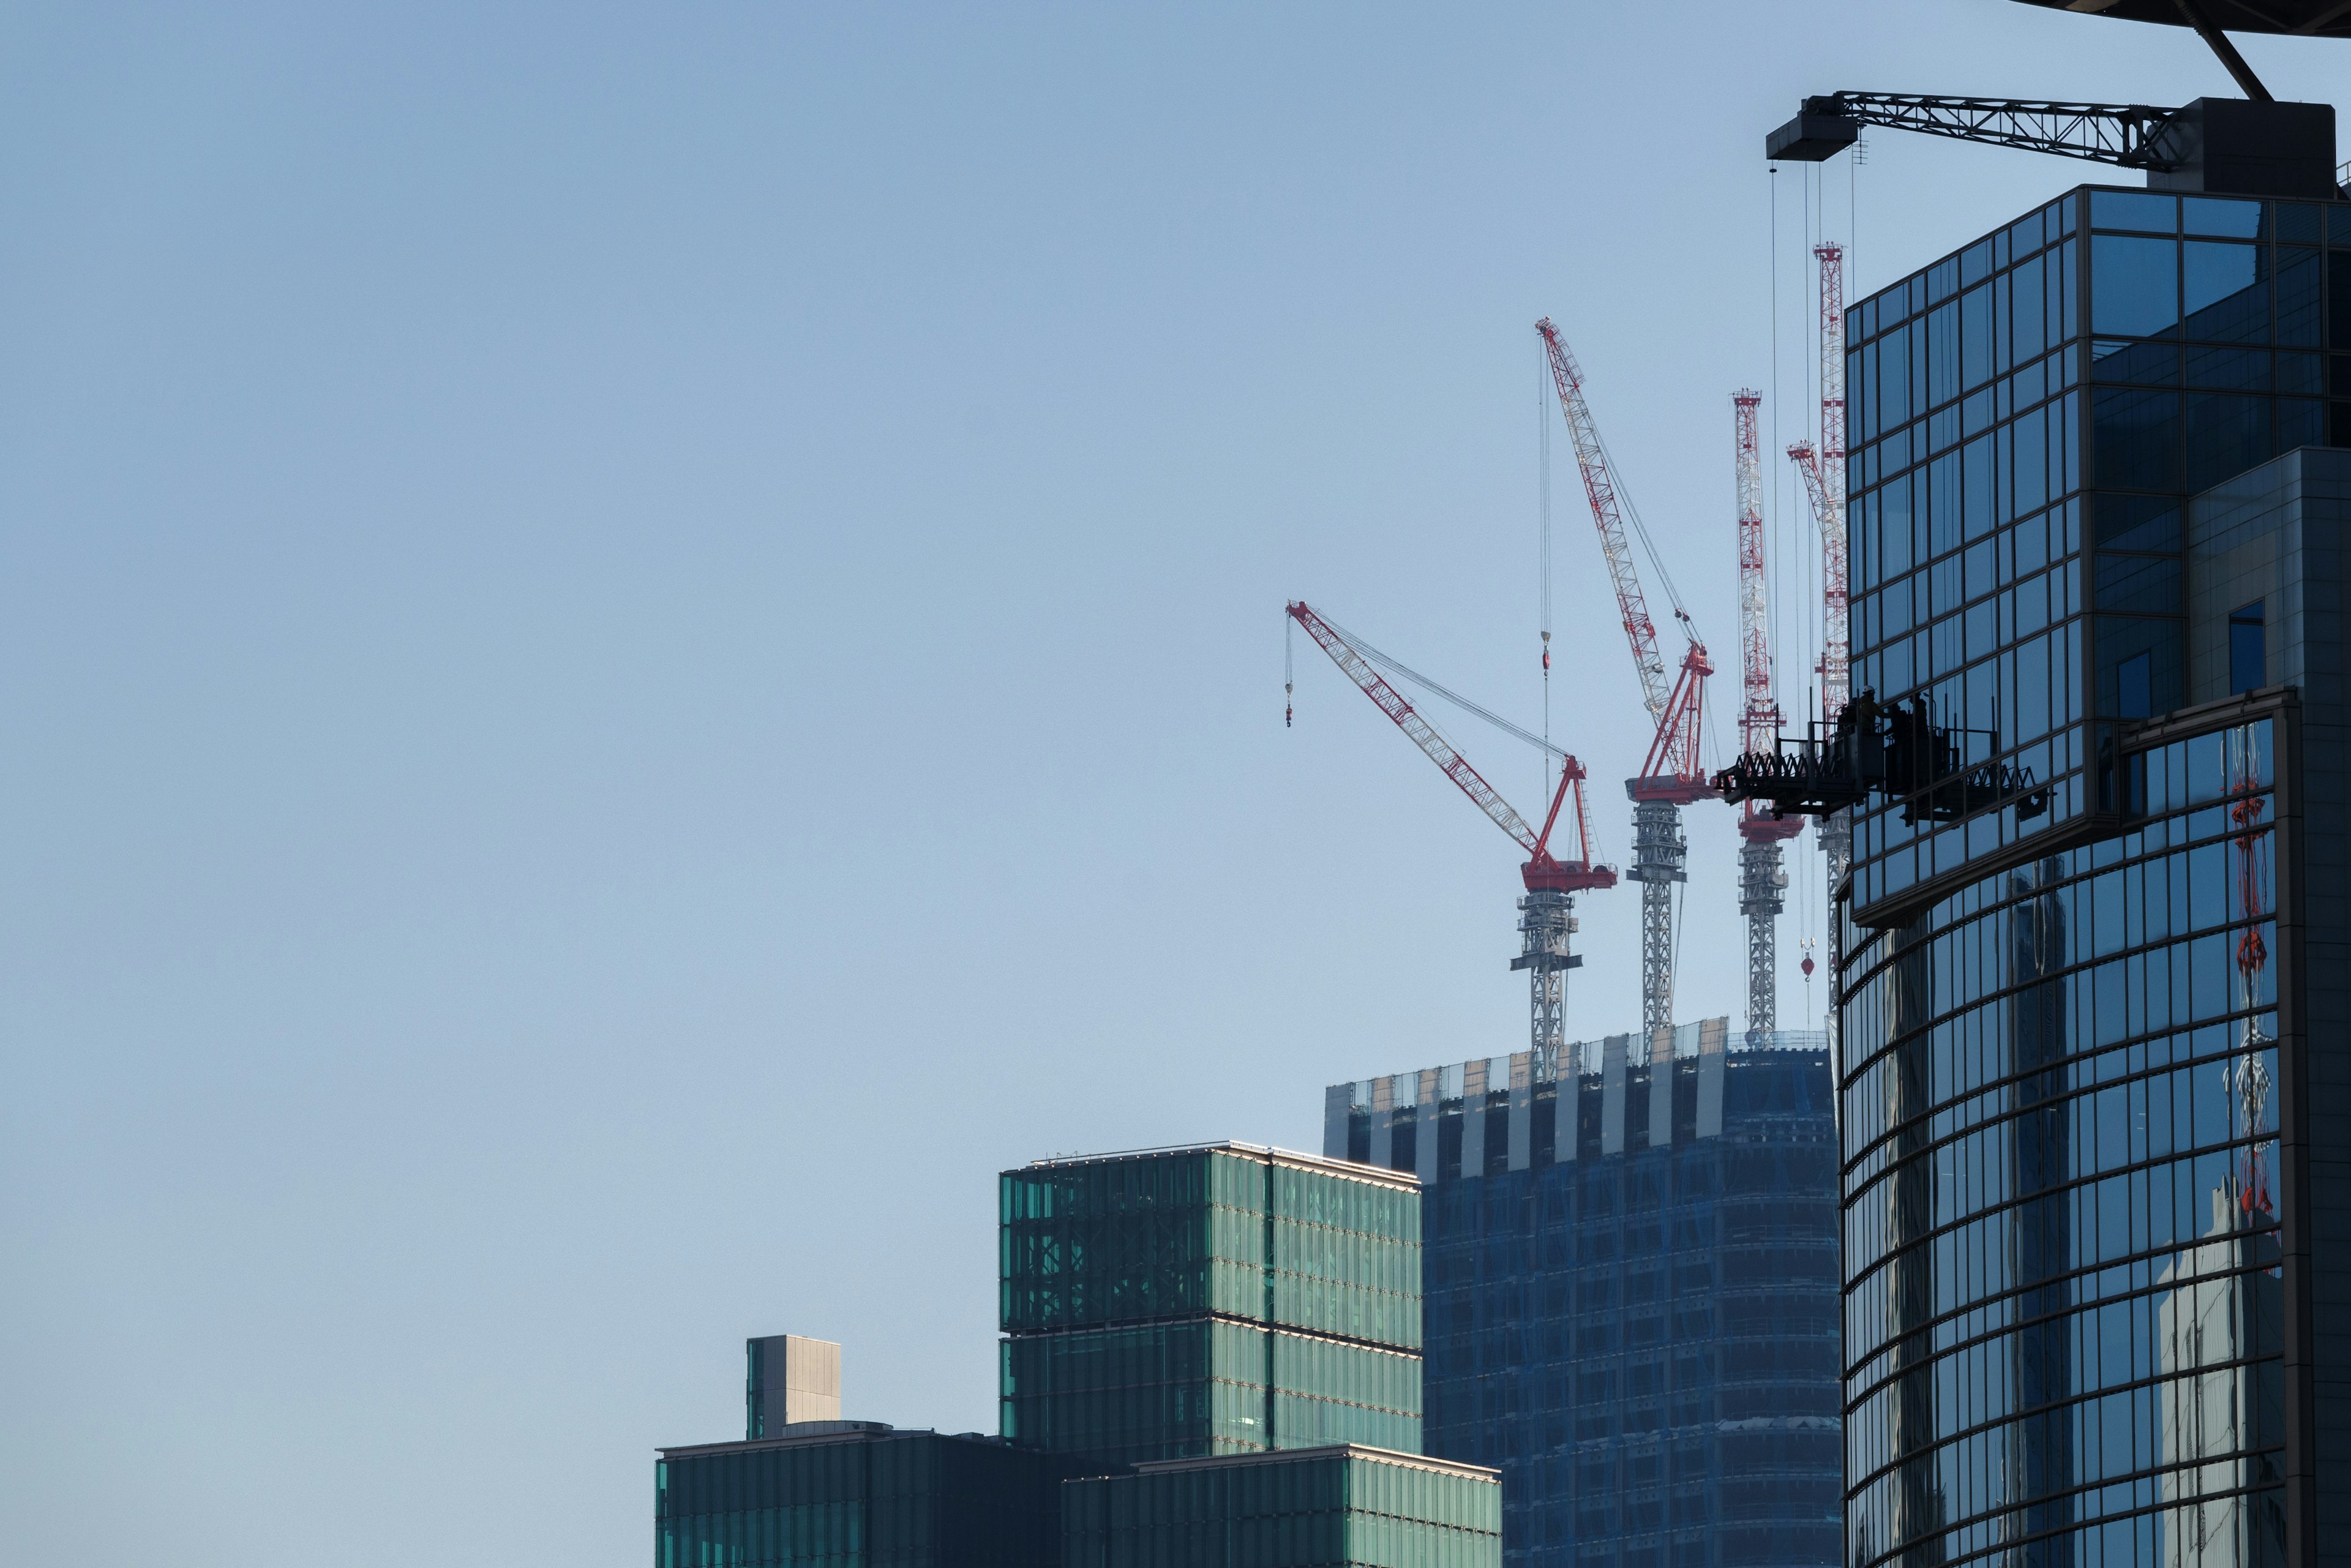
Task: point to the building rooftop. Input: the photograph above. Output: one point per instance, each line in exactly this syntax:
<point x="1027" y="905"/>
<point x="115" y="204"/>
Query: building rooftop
<point x="805" y="1434"/>
<point x="1332" y="1450"/>
<point x="1348" y="1169"/>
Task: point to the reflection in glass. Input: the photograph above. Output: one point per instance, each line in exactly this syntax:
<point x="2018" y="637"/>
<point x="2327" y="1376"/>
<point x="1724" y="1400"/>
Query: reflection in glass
<point x="2135" y="286"/>
<point x="2228" y="291"/>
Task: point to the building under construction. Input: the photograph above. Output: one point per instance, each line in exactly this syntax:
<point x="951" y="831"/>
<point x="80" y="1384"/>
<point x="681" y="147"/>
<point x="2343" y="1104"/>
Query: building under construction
<point x="1630" y="1289"/>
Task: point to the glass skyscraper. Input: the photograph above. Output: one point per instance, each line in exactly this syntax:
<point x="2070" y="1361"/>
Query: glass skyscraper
<point x="1631" y="1279"/>
<point x="1219" y="1300"/>
<point x="2093" y="1117"/>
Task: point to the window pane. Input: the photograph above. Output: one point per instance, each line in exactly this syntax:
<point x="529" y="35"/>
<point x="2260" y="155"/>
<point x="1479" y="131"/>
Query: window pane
<point x="2226" y="435"/>
<point x="2297" y="297"/>
<point x="2135" y="439"/>
<point x="2133" y="210"/>
<point x="2236" y="370"/>
<point x="2134" y="285"/>
<point x="2220" y="216"/>
<point x="2228" y="291"/>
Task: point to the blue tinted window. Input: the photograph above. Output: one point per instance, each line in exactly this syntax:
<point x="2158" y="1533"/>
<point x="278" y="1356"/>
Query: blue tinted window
<point x="2134" y="285"/>
<point x="1975" y="263"/>
<point x="2141" y="584"/>
<point x="1893" y="384"/>
<point x="2301" y="421"/>
<point x="2135" y="363"/>
<point x="1943" y="354"/>
<point x="2134" y="210"/>
<point x="2298" y="373"/>
<point x="2236" y="370"/>
<point x="2228" y="291"/>
<point x="1975" y="336"/>
<point x="2135" y="439"/>
<point x="2137" y="523"/>
<point x="2025" y="317"/>
<point x="2220" y="216"/>
<point x="2295" y="220"/>
<point x="2248" y="650"/>
<point x="2226" y="435"/>
<point x="2297" y="297"/>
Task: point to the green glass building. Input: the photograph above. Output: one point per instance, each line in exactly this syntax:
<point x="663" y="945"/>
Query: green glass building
<point x="1307" y="1507"/>
<point x="856" y="1494"/>
<point x="1228" y="1298"/>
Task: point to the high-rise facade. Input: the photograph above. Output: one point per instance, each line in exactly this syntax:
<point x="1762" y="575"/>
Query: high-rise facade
<point x="1220" y="1300"/>
<point x="1631" y="1289"/>
<point x="1293" y="1507"/>
<point x="2094" y="1111"/>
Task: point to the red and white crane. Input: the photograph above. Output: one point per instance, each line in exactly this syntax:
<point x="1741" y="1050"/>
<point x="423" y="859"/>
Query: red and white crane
<point x="1761" y="882"/>
<point x="1546" y="911"/>
<point x="1671" y="775"/>
<point x="1824" y="471"/>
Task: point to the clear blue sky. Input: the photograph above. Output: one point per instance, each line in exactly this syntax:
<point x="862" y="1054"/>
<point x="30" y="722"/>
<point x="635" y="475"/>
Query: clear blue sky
<point x="638" y="644"/>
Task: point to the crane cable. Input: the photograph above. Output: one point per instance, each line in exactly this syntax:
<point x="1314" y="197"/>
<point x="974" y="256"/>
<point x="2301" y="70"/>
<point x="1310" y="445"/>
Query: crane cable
<point x="1374" y="656"/>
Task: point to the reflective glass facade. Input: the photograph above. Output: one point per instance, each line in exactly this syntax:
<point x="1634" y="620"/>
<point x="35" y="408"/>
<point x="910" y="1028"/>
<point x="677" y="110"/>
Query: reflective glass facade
<point x="2064" y="1311"/>
<point x="2094" y="1128"/>
<point x="2028" y="419"/>
<point x="1631" y="1291"/>
<point x="1212" y="1301"/>
<point x="1333" y="1508"/>
<point x="869" y="1498"/>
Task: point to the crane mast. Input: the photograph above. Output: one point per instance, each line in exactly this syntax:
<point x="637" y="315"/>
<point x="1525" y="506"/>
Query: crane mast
<point x="1825" y="482"/>
<point x="1671" y="775"/>
<point x="1762" y="884"/>
<point x="1546" y="914"/>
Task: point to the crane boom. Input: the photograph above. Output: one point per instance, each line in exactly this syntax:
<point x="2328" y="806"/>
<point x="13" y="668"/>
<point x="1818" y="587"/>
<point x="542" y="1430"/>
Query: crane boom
<point x="1599" y="487"/>
<point x="1424" y="734"/>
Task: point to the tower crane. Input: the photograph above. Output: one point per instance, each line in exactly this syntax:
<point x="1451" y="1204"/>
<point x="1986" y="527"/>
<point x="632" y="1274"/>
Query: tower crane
<point x="1761" y="883"/>
<point x="1824" y="477"/>
<point x="1546" y="917"/>
<point x="1670" y="776"/>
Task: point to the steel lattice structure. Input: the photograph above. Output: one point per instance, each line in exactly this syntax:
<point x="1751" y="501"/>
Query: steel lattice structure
<point x="1671" y="775"/>
<point x="1761" y="883"/>
<point x="1824" y="481"/>
<point x="1547" y="912"/>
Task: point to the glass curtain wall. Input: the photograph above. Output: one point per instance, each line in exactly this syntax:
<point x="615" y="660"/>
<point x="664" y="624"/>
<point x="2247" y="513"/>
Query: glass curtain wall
<point x="2063" y="1311"/>
<point x="1335" y="1510"/>
<point x="1646" y="1343"/>
<point x="1206" y="1301"/>
<point x="2028" y="418"/>
<point x="903" y="1500"/>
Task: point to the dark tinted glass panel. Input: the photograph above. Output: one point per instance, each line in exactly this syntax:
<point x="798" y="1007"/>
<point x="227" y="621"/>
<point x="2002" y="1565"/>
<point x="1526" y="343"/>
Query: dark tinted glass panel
<point x="2338" y="299"/>
<point x="2297" y="297"/>
<point x="2135" y="522"/>
<point x="2248" y="648"/>
<point x="2228" y="292"/>
<point x="2296" y="220"/>
<point x="2135" y="439"/>
<point x="2226" y="435"/>
<point x="2301" y="421"/>
<point x="2232" y="370"/>
<point x="2155" y="364"/>
<point x="2140" y="584"/>
<point x="2338" y="224"/>
<point x="2299" y="373"/>
<point x="2134" y="285"/>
